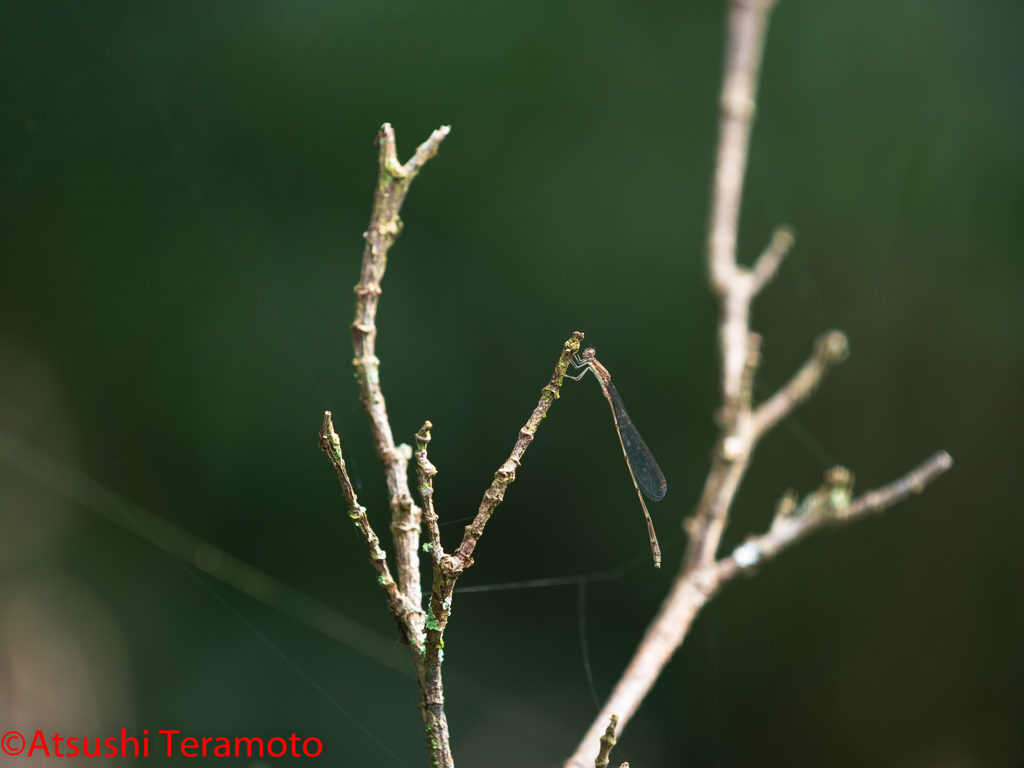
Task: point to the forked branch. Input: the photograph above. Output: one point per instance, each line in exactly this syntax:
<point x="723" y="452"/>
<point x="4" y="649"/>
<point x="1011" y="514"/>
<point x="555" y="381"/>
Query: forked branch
<point x="385" y="226"/>
<point x="507" y="472"/>
<point x="830" y="505"/>
<point x="424" y="633"/>
<point x="399" y="606"/>
<point x="742" y="425"/>
<point x="448" y="568"/>
<point x="830" y="349"/>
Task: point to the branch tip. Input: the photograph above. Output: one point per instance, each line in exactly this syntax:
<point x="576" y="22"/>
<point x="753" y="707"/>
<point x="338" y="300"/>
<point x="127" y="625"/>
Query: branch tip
<point x="608" y="741"/>
<point x="506" y="473"/>
<point x="829" y="505"/>
<point x="834" y="347"/>
<point x="768" y="262"/>
<point x="328" y="425"/>
<point x="830" y="349"/>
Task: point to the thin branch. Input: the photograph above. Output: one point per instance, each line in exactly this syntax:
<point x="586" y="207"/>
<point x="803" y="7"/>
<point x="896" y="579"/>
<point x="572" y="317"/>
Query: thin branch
<point x="428" y="669"/>
<point x="385" y="226"/>
<point x="748" y="21"/>
<point x="400" y="607"/>
<point x="830" y="349"/>
<point x="825" y="508"/>
<point x="448" y="568"/>
<point x="768" y="262"/>
<point x="693" y="588"/>
<point x="425" y="472"/>
<point x="735" y="286"/>
<point x="607" y="743"/>
<point x="754" y="341"/>
<point x="506" y="474"/>
<point x="911" y="483"/>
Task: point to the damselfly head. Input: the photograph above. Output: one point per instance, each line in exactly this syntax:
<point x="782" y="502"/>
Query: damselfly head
<point x="588" y="354"/>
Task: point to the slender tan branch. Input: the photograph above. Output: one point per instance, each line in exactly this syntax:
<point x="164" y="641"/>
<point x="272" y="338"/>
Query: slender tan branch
<point x="829" y="506"/>
<point x="400" y="607"/>
<point x="830" y="349"/>
<point x="693" y="587"/>
<point x="446" y="572"/>
<point x="448" y="568"/>
<point x="506" y="474"/>
<point x="754" y="341"/>
<point x="748" y="20"/>
<point x="385" y="226"/>
<point x="768" y="262"/>
<point x="729" y="464"/>
<point x="734" y="285"/>
<point x="425" y="472"/>
<point x="712" y="515"/>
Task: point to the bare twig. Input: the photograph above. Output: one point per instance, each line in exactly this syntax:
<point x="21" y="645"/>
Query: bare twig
<point x="830" y="349"/>
<point x="385" y="226"/>
<point x="828" y="506"/>
<point x="400" y="607"/>
<point x="428" y="669"/>
<point x="741" y="425"/>
<point x="898" y="490"/>
<point x="735" y="285"/>
<point x="768" y="262"/>
<point x="425" y="472"/>
<point x="506" y="474"/>
<point x="448" y="568"/>
<point x="748" y="20"/>
<point x="607" y="743"/>
<point x="694" y="587"/>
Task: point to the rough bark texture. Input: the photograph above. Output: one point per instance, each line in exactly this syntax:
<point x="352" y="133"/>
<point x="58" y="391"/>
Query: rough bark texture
<point x="448" y="568"/>
<point x="423" y="632"/>
<point x="385" y="226"/>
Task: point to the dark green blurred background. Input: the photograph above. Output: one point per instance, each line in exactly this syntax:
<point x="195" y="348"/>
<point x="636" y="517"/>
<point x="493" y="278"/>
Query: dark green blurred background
<point x="184" y="187"/>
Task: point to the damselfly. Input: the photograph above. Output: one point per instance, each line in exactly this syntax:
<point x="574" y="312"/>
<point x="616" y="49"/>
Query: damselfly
<point x="643" y="468"/>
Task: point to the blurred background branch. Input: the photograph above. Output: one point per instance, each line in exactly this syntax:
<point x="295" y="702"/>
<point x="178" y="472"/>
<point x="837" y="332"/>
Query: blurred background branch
<point x="701" y="574"/>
